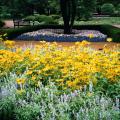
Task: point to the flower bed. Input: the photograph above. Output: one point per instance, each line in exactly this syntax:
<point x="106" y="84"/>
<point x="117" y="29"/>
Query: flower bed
<point x="51" y="35"/>
<point x="71" y="67"/>
<point x="52" y="82"/>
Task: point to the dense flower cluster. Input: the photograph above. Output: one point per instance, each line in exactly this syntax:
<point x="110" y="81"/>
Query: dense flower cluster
<point x="9" y="44"/>
<point x="51" y="82"/>
<point x="71" y="67"/>
<point x="51" y="35"/>
<point x="8" y="60"/>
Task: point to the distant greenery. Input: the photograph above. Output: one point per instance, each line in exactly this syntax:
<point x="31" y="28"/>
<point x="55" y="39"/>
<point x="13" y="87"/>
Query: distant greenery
<point x="118" y="8"/>
<point x="22" y="8"/>
<point x="114" y="2"/>
<point x="1" y="23"/>
<point x="92" y="21"/>
<point x="96" y="21"/>
<point x="43" y="19"/>
<point x="85" y="9"/>
<point x="107" y="8"/>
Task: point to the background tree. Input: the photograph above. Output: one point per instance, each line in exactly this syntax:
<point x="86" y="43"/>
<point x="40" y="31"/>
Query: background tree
<point x="100" y="3"/>
<point x="85" y="9"/>
<point x="23" y="7"/>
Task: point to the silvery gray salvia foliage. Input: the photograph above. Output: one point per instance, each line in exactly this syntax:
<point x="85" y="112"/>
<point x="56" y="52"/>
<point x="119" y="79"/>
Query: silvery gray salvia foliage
<point x="47" y="103"/>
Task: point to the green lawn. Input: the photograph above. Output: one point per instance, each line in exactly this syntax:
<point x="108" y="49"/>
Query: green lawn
<point x="96" y="21"/>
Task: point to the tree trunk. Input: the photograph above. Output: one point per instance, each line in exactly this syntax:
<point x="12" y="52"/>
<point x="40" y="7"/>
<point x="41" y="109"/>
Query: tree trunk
<point x="73" y="12"/>
<point x="68" y="9"/>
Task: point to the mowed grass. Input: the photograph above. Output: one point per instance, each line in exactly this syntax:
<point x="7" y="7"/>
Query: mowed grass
<point x="98" y="20"/>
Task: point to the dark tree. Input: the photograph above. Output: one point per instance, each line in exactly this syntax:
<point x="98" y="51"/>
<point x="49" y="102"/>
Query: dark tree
<point x="68" y="10"/>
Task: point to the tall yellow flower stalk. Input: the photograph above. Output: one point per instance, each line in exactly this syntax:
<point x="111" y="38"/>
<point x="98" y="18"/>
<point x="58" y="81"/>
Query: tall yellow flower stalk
<point x="9" y="44"/>
<point x="71" y="67"/>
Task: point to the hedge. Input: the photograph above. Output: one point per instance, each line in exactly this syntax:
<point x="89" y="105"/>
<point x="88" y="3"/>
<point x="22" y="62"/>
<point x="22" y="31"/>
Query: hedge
<point x="109" y="30"/>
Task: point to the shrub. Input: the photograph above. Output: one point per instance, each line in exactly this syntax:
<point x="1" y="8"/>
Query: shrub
<point x="55" y="16"/>
<point x="27" y="112"/>
<point x="5" y="15"/>
<point x="30" y="18"/>
<point x="118" y="9"/>
<point x="43" y="19"/>
<point x="4" y="12"/>
<point x="7" y="108"/>
<point x="1" y="23"/>
<point x="116" y="14"/>
<point x="111" y="31"/>
<point x="108" y="8"/>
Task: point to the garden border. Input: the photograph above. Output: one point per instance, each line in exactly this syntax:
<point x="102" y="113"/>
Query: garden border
<point x="109" y="30"/>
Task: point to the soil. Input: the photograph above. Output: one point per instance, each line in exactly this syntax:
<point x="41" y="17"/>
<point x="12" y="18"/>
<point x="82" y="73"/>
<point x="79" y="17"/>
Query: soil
<point x="94" y="45"/>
